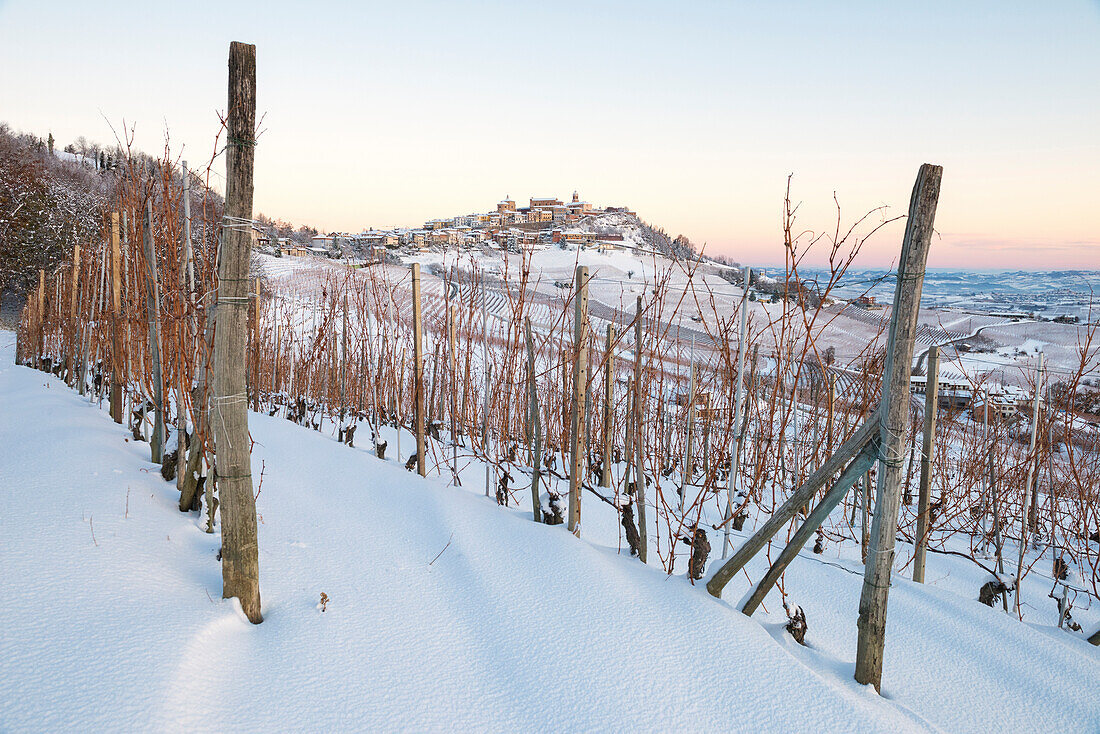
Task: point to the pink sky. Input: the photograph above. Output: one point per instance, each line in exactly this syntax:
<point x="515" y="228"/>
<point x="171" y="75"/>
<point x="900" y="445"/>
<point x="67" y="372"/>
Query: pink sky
<point x="693" y="115"/>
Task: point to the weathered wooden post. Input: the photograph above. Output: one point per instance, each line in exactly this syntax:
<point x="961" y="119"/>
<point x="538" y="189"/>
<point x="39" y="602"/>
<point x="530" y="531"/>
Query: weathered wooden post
<point x="924" y="499"/>
<point x="639" y="469"/>
<point x="533" y="420"/>
<point x="850" y="451"/>
<point x="608" y="389"/>
<point x="418" y="371"/>
<point x="738" y="439"/>
<point x="580" y="372"/>
<point x="116" y="326"/>
<point x="814" y="520"/>
<point x="240" y="554"/>
<point x="894" y="412"/>
<point x="152" y="304"/>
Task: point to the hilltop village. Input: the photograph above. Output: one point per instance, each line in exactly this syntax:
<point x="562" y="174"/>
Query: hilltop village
<point x="545" y="221"/>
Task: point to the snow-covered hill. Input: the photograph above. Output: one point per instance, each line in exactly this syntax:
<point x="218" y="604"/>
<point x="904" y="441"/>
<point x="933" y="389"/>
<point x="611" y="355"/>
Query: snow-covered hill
<point x="446" y="611"/>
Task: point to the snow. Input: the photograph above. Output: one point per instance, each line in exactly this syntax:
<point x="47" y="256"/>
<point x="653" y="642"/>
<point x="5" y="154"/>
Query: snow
<point x="445" y="611"/>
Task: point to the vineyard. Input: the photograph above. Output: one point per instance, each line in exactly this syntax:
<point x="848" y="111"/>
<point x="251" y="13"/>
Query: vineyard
<point x="129" y="323"/>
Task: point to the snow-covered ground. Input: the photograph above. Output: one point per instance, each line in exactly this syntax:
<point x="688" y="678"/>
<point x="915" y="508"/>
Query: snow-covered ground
<point x="694" y="302"/>
<point x="446" y="611"/>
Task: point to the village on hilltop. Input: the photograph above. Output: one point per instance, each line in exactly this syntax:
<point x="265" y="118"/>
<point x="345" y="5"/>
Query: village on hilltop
<point x="545" y="221"/>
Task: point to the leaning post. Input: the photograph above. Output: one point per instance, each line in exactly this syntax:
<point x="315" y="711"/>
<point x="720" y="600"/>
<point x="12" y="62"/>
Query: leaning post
<point x="894" y="414"/>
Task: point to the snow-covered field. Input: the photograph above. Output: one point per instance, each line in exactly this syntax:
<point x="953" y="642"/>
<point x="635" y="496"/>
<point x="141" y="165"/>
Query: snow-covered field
<point x="695" y="302"/>
<point x="448" y="612"/>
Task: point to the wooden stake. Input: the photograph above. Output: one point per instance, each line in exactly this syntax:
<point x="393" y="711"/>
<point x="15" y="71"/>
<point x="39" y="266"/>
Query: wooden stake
<point x="851" y="449"/>
<point x="116" y="326"/>
<point x="454" y="393"/>
<point x="152" y="303"/>
<point x="240" y="554"/>
<point x="342" y="366"/>
<point x="1032" y="460"/>
<point x="924" y="499"/>
<point x="418" y="356"/>
<point x="895" y="411"/>
<point x="832" y="498"/>
<point x="74" y="290"/>
<point x="689" y="443"/>
<point x="639" y="469"/>
<point x="580" y="372"/>
<point x="865" y="517"/>
<point x="40" y="319"/>
<point x="533" y="420"/>
<point x="488" y="376"/>
<point x="256" y="348"/>
<point x="608" y="389"/>
<point x="738" y="439"/>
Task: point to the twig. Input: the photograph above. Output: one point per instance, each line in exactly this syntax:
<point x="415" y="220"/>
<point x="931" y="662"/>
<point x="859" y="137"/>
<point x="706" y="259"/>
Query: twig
<point x="93" y="531"/>
<point x="260" y="486"/>
<point x="437" y="555"/>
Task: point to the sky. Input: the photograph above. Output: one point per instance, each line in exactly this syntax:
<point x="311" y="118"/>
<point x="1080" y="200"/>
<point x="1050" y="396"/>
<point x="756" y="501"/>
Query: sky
<point x="692" y="114"/>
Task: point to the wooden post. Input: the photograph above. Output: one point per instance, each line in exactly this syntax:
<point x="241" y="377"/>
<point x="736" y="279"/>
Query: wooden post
<point x="488" y="375"/>
<point x="185" y="335"/>
<point x="116" y="325"/>
<point x="418" y="371"/>
<point x="738" y="439"/>
<point x="74" y="290"/>
<point x="40" y="320"/>
<point x="485" y="428"/>
<point x="689" y="470"/>
<point x="1032" y="460"/>
<point x="240" y="554"/>
<point x="865" y="516"/>
<point x="454" y="393"/>
<point x="152" y="304"/>
<point x="931" y="402"/>
<point x="533" y="420"/>
<point x="580" y="372"/>
<point x="851" y="448"/>
<point x="343" y="368"/>
<point x="256" y="348"/>
<point x="188" y="467"/>
<point x="832" y="498"/>
<point x="894" y="417"/>
<point x="608" y="389"/>
<point x="639" y="469"/>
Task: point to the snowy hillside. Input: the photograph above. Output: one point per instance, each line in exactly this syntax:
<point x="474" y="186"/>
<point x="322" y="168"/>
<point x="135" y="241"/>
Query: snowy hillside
<point x="445" y="611"/>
